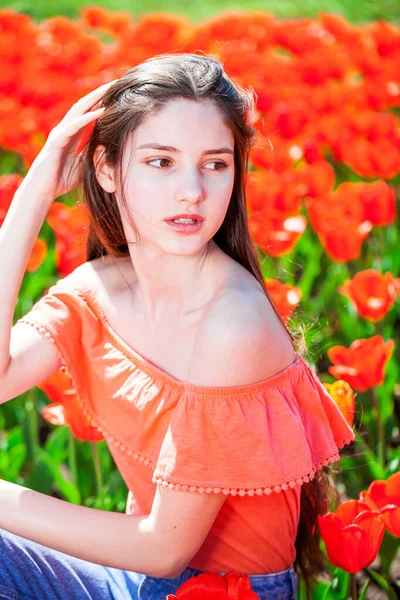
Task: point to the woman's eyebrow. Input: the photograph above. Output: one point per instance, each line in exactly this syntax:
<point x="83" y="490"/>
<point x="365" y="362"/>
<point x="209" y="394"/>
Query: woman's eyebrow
<point x="156" y="146"/>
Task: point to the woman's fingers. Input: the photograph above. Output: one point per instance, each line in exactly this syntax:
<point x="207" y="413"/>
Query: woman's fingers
<point x="53" y="163"/>
<point x="70" y="129"/>
<point x="87" y="102"/>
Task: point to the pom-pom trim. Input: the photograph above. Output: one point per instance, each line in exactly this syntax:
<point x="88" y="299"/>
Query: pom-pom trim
<point x="254" y="491"/>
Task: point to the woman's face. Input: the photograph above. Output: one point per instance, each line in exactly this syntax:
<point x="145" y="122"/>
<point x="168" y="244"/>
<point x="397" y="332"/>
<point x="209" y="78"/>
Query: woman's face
<point x="195" y="174"/>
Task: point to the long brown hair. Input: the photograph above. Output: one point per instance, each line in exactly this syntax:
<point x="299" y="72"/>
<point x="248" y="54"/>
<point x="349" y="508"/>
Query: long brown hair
<point x="140" y="92"/>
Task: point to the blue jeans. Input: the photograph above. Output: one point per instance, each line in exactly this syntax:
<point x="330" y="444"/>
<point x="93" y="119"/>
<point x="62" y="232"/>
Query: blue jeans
<point x="30" y="571"/>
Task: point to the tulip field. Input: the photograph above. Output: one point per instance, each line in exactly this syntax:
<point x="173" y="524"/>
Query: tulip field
<point x="322" y="195"/>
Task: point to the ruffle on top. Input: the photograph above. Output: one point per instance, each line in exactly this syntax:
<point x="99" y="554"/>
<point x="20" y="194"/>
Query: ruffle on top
<point x="241" y="440"/>
<point x="274" y="435"/>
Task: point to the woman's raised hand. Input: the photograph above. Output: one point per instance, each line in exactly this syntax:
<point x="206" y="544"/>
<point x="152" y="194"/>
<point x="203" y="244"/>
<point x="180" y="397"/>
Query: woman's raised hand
<point x="57" y="168"/>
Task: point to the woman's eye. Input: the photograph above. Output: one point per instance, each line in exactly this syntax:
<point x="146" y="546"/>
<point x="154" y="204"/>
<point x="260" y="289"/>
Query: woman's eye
<point x="154" y="159"/>
<point x="220" y="163"/>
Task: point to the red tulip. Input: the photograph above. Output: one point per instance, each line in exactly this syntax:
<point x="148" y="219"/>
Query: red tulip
<point x="353" y="535"/>
<point x="339" y="221"/>
<point x="37" y="255"/>
<point x="372" y="293"/>
<point x="379" y="201"/>
<point x="114" y="23"/>
<point x="231" y="586"/>
<point x="284" y="296"/>
<point x="384" y="496"/>
<point x="276" y="191"/>
<point x="71" y="227"/>
<point x="318" y="178"/>
<point x="371" y="159"/>
<point x="363" y="364"/>
<point x="267" y="155"/>
<point x="66" y="409"/>
<point x="8" y="186"/>
<point x="312" y="150"/>
<point x="276" y="233"/>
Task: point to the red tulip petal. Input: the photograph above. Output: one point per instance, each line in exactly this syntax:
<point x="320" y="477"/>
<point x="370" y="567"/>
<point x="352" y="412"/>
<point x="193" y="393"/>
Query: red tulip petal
<point x="248" y="595"/>
<point x="54" y="413"/>
<point x="365" y="497"/>
<point x="391" y="517"/>
<point x="330" y="528"/>
<point x="236" y="583"/>
<point x="347" y="511"/>
<point x="377" y="492"/>
<point x="338" y="354"/>
<point x="353" y="540"/>
<point x="374" y="526"/>
<point x="210" y="585"/>
<point x="393" y="486"/>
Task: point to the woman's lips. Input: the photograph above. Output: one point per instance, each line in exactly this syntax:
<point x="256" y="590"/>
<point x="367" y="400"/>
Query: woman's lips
<point x="185" y="227"/>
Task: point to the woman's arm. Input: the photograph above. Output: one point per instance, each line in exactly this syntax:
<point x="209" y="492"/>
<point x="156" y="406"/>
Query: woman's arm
<point x="105" y="538"/>
<point x="18" y="233"/>
<point x="46" y="179"/>
<point x="160" y="544"/>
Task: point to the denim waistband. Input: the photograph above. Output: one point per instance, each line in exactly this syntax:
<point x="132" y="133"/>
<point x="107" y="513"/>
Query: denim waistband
<point x="280" y="584"/>
<point x="283" y="573"/>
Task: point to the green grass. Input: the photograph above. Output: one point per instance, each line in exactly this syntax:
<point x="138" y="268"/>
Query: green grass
<point x="197" y="10"/>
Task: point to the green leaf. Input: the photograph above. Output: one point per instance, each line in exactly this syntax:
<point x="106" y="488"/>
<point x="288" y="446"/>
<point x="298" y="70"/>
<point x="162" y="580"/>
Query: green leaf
<point x="57" y="445"/>
<point x="17" y="457"/>
<point x="319" y="592"/>
<point x="70" y="492"/>
<point x="363" y="593"/>
<point x="394" y="464"/>
<point x="14" y="437"/>
<point x="383" y="583"/>
<point x="385" y="402"/>
<point x="339" y="588"/>
<point x="311" y="270"/>
<point x="370" y="459"/>
<point x="40" y="477"/>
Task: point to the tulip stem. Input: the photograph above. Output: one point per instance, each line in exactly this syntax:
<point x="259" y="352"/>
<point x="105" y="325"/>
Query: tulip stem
<point x="353" y="586"/>
<point x="381" y="434"/>
<point x="370" y="458"/>
<point x="32" y="426"/>
<point x="97" y="469"/>
<point x="72" y="459"/>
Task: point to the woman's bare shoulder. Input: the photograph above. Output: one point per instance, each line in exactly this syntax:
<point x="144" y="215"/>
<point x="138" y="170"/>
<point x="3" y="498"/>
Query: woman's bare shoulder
<point x="242" y="306"/>
<point x="106" y="273"/>
<point x="242" y="341"/>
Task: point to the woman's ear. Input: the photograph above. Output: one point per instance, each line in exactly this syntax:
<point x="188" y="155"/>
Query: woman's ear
<point x="104" y="173"/>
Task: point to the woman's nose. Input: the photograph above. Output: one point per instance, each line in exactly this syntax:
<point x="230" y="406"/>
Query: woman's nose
<point x="190" y="186"/>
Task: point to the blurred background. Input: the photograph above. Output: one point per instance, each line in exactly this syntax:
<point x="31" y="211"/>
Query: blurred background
<point x="355" y="12"/>
<point x="323" y="198"/>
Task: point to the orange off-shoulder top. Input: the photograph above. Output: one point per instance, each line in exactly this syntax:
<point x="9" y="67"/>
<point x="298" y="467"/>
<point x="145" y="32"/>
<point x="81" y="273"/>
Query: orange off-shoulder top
<point x="255" y="443"/>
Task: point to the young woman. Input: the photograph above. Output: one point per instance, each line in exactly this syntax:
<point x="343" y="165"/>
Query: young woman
<point x="218" y="425"/>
